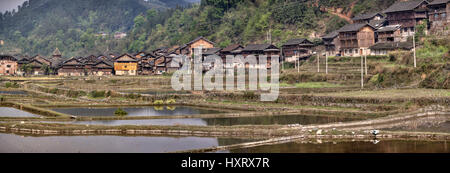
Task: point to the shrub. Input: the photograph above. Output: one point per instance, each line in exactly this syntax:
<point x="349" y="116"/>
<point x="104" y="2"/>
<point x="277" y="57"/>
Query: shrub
<point x="158" y="102"/>
<point x="120" y="112"/>
<point x="97" y="94"/>
<point x="11" y="85"/>
<point x="170" y="101"/>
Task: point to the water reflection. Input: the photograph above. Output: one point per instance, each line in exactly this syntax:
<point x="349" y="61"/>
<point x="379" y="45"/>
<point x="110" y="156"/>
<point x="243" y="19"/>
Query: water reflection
<point x="263" y="120"/>
<point x="10" y="143"/>
<point x="13" y="112"/>
<point x="14" y="92"/>
<point x="135" y="111"/>
<point x="373" y="146"/>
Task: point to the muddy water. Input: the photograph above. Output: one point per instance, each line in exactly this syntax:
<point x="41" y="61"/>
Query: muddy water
<point x="13" y="112"/>
<point x="135" y="111"/>
<point x="10" y="143"/>
<point x="388" y="146"/>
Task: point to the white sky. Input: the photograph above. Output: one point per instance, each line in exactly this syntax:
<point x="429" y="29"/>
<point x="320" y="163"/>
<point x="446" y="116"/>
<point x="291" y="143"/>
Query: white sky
<point x="9" y="4"/>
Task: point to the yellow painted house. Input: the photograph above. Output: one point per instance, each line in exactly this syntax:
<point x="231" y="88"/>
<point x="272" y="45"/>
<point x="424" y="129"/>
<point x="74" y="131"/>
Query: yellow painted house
<point x="126" y="65"/>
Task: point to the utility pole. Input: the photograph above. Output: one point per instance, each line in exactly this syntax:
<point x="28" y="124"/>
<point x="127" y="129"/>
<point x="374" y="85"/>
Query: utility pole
<point x="365" y="60"/>
<point x="362" y="73"/>
<point x="326" y="62"/>
<point x="318" y="63"/>
<point x="414" y="47"/>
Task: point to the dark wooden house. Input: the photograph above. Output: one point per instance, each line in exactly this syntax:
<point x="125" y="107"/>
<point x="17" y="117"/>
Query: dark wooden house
<point x="332" y="43"/>
<point x="297" y="49"/>
<point x="72" y="67"/>
<point x="438" y="15"/>
<point x="385" y="47"/>
<point x="356" y="38"/>
<point x="389" y="33"/>
<point x="103" y="68"/>
<point x="260" y="49"/>
<point x="407" y="14"/>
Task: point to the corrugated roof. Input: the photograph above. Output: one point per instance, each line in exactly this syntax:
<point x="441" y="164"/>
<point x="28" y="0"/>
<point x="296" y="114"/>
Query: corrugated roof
<point x="404" y="6"/>
<point x="8" y="57"/>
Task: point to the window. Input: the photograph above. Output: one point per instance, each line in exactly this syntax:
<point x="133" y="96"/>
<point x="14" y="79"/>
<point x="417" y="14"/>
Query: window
<point x="8" y="66"/>
<point x="436" y="16"/>
<point x="444" y="15"/>
<point x="7" y="71"/>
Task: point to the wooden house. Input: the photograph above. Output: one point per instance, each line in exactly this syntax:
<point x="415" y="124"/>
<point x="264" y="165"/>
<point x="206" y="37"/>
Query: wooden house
<point x="297" y="49"/>
<point x="389" y="33"/>
<point x="72" y="67"/>
<point x="407" y="14"/>
<point x="332" y="43"/>
<point x="103" y="68"/>
<point x="355" y="39"/>
<point x="438" y="15"/>
<point x="8" y="65"/>
<point x="146" y="64"/>
<point x="126" y="64"/>
<point x="384" y="48"/>
<point x="200" y="43"/>
<point x="260" y="49"/>
<point x="38" y="63"/>
<point x="160" y="65"/>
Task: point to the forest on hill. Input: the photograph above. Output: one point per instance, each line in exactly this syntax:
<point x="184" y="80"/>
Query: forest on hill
<point x="73" y="27"/>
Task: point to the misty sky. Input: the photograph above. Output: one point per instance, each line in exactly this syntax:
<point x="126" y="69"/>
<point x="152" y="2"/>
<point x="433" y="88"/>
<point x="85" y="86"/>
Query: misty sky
<point x="9" y="4"/>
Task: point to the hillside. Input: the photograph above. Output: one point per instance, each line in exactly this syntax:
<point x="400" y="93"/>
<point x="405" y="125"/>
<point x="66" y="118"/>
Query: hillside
<point x="73" y="25"/>
<point x="238" y="21"/>
<point x="41" y="25"/>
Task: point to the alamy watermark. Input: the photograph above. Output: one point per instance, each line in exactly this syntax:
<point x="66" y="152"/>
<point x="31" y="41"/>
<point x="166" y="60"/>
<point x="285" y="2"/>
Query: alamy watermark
<point x="209" y="73"/>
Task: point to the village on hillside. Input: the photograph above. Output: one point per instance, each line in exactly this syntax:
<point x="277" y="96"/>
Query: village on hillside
<point x="376" y="33"/>
<point x="380" y="84"/>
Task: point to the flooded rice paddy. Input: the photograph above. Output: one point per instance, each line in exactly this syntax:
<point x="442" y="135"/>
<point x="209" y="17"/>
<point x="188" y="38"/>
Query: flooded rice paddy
<point x="262" y="120"/>
<point x="374" y="146"/>
<point x="13" y="112"/>
<point x="135" y="111"/>
<point x="10" y="143"/>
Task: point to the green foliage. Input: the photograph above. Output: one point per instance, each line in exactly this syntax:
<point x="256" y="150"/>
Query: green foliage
<point x="158" y="102"/>
<point x="73" y="26"/>
<point x="97" y="94"/>
<point x="11" y="85"/>
<point x="120" y="112"/>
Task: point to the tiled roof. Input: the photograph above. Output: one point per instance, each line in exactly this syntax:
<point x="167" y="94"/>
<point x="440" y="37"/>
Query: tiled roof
<point x="257" y="47"/>
<point x="296" y="41"/>
<point x="437" y="2"/>
<point x="392" y="46"/>
<point x="366" y="16"/>
<point x="404" y="6"/>
<point x="231" y="48"/>
<point x="353" y="27"/>
<point x="331" y="35"/>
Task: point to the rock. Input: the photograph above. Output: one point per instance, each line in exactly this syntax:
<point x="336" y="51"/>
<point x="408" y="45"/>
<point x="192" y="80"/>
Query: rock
<point x="319" y="132"/>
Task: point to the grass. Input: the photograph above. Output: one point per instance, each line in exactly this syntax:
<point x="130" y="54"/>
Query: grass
<point x="316" y="85"/>
<point x="393" y="93"/>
